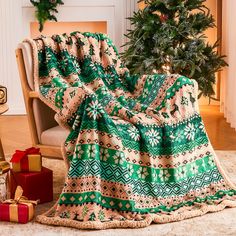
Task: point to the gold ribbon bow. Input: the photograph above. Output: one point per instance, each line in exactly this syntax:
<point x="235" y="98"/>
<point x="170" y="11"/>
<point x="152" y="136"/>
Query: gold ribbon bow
<point x="19" y="199"/>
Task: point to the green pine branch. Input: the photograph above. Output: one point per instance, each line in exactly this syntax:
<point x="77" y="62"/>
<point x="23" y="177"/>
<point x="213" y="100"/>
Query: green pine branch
<point x="45" y="10"/>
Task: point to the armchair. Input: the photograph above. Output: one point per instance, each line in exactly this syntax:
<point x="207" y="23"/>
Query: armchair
<point x="45" y="132"/>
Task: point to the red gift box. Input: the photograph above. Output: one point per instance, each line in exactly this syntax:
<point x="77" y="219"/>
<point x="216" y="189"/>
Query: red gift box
<point x="36" y="185"/>
<point x="19" y="209"/>
<point x="6" y="215"/>
<point x="26" y="161"/>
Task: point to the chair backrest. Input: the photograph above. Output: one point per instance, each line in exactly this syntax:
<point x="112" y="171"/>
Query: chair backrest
<point x="40" y="116"/>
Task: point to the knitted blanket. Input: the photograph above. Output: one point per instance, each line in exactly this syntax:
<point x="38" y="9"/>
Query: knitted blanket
<point x="137" y="151"/>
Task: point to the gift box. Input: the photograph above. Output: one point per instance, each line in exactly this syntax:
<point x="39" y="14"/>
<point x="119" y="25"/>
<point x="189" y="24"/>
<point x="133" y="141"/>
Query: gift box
<point x="36" y="185"/>
<point x="29" y="160"/>
<point x="19" y="209"/>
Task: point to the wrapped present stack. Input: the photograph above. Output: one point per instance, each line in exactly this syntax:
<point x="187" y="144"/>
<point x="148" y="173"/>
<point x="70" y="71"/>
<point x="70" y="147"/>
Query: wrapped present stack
<point x="27" y="172"/>
<point x="19" y="209"/>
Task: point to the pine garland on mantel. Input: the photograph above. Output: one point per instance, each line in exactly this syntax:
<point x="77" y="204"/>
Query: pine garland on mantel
<point x="45" y="10"/>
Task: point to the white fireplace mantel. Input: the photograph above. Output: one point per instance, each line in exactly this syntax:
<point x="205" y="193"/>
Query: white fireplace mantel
<point x="15" y="18"/>
<point x="111" y="11"/>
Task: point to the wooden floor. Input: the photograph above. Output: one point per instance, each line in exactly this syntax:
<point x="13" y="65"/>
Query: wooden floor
<point x="15" y="134"/>
<point x="221" y="135"/>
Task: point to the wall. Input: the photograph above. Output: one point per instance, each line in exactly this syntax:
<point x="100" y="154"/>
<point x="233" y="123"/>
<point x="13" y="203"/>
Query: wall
<point x="10" y="36"/>
<point x="211" y="34"/>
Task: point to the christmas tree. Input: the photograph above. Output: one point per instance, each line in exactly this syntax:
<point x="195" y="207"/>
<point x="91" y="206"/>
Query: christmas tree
<point x="168" y="37"/>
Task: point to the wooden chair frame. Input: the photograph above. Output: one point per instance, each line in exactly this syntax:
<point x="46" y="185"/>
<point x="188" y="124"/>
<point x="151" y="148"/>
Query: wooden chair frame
<point x="29" y="95"/>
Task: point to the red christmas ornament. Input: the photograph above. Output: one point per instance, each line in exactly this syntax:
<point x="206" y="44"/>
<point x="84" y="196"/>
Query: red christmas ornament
<point x="163" y="18"/>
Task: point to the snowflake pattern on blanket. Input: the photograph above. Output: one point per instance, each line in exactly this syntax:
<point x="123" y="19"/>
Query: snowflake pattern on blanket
<point x="137" y="150"/>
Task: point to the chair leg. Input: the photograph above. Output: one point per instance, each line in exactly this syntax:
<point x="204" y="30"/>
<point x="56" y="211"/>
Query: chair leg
<point x="2" y="156"/>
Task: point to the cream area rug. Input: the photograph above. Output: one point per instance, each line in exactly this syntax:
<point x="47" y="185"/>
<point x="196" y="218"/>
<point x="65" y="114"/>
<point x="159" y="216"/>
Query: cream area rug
<point x="220" y="223"/>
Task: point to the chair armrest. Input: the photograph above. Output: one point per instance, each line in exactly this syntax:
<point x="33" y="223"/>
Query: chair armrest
<point x="43" y="116"/>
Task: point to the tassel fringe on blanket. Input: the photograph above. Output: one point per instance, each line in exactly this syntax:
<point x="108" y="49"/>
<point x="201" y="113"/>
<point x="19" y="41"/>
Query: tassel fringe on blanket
<point x="137" y="151"/>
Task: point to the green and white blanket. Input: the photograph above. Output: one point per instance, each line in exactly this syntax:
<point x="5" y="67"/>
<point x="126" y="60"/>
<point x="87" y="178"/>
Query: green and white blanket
<point x="137" y="151"/>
